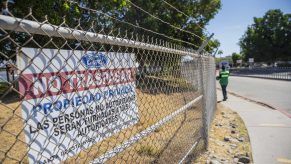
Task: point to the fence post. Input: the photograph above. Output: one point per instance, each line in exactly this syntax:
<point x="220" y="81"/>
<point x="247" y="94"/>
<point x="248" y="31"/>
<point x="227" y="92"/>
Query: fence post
<point x="201" y="65"/>
<point x="7" y="73"/>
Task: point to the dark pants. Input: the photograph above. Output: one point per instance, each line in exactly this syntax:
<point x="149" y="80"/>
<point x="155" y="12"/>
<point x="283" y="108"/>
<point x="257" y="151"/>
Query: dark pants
<point x="223" y="87"/>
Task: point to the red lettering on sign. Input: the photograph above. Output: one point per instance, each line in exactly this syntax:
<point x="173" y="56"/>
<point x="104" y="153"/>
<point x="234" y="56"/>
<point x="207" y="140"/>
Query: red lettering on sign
<point x="38" y="85"/>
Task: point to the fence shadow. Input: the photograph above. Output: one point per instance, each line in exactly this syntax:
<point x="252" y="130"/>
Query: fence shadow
<point x="149" y="84"/>
<point x="8" y="93"/>
<point x="163" y="152"/>
<point x="163" y="85"/>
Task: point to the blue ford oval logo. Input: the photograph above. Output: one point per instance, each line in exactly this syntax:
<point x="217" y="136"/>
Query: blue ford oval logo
<point x="95" y="60"/>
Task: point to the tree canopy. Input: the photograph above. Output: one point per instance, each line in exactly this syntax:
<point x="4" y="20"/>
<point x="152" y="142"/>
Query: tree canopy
<point x="235" y="57"/>
<point x="194" y="17"/>
<point x="268" y="39"/>
<point x="220" y="52"/>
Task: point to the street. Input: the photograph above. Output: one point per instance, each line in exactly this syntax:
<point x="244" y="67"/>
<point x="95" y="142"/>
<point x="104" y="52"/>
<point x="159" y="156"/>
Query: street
<point x="274" y="92"/>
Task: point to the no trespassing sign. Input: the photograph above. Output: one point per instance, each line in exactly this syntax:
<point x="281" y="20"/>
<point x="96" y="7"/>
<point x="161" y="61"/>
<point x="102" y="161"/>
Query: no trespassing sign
<point x="74" y="99"/>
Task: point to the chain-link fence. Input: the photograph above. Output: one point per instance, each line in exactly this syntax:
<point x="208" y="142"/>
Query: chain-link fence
<point x="86" y="95"/>
<point x="279" y="73"/>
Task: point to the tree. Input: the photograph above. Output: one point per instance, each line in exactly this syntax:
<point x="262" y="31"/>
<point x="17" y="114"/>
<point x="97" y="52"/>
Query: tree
<point x="235" y="57"/>
<point x="220" y="52"/>
<point x="212" y="46"/>
<point x="269" y="38"/>
<point x="225" y="58"/>
<point x="197" y="15"/>
<point x="218" y="60"/>
<point x="56" y="11"/>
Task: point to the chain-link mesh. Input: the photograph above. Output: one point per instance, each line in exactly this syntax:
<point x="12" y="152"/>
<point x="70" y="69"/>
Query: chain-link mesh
<point x="77" y="95"/>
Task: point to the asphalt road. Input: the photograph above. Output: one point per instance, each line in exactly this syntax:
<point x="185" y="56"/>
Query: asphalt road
<point x="274" y="92"/>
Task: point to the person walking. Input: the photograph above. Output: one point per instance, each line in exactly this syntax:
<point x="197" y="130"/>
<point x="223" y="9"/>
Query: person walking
<point x="223" y="80"/>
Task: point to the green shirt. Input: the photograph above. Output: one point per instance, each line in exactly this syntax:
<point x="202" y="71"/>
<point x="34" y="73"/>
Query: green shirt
<point x="223" y="76"/>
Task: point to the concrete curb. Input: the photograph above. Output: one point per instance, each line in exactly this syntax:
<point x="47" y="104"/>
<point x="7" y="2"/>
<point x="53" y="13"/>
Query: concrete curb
<point x="259" y="103"/>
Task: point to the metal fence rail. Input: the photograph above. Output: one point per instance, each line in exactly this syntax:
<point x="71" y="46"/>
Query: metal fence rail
<point x="279" y="73"/>
<point x="80" y="96"/>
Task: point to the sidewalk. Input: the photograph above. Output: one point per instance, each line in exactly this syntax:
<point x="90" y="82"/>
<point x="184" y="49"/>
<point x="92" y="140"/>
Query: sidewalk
<point x="269" y="130"/>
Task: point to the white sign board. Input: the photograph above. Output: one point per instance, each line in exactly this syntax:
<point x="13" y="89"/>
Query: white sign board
<point x="251" y="60"/>
<point x="239" y="61"/>
<point x="73" y="99"/>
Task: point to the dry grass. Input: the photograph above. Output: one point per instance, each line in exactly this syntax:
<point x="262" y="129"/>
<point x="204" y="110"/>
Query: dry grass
<point x="166" y="144"/>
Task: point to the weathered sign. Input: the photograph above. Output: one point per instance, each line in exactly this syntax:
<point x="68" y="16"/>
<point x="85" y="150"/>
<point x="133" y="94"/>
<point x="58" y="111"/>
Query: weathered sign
<point x="74" y="99"/>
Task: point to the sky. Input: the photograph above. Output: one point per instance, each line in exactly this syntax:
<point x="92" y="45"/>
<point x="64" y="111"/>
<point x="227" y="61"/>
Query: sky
<point x="235" y="16"/>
